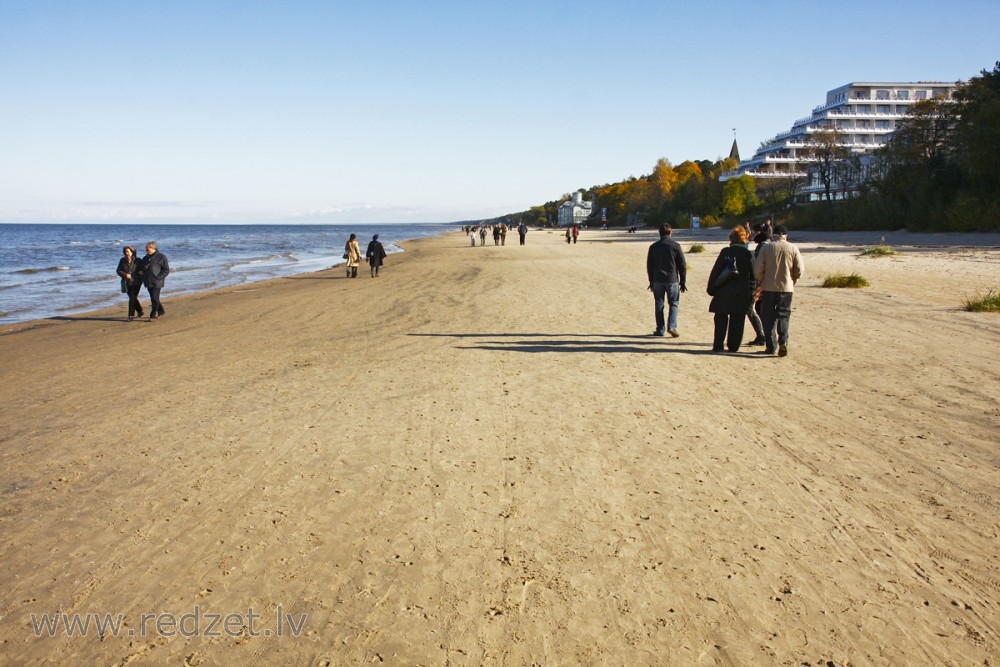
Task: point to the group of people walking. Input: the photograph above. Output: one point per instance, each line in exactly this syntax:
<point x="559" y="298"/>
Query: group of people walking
<point x="743" y="285"/>
<point x="150" y="271"/>
<point x="374" y="255"/>
<point x="499" y="233"/>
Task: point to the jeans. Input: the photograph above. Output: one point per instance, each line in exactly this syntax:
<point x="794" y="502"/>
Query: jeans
<point x="669" y="293"/>
<point x="775" y="309"/>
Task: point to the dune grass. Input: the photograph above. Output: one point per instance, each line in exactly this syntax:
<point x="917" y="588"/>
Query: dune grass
<point x="696" y="248"/>
<point x="843" y="280"/>
<point x="983" y="303"/>
<point x="877" y="251"/>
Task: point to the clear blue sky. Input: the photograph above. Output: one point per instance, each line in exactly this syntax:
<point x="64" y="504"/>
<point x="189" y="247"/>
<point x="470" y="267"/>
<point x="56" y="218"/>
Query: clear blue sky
<point x="430" y="111"/>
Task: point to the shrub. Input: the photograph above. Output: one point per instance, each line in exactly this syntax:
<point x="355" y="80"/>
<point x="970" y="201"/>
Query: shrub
<point x="697" y="247"/>
<point x="984" y="303"/>
<point x="877" y="251"/>
<point x="842" y="280"/>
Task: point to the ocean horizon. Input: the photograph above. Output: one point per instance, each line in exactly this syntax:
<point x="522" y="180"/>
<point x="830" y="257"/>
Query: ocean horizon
<point x="58" y="269"/>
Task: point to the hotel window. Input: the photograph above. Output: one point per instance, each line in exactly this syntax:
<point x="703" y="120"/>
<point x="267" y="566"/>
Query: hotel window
<point x="921" y="94"/>
<point x="883" y="125"/>
<point x="864" y="108"/>
<point x="884" y="109"/>
<point x="881" y="94"/>
<point x="902" y="95"/>
<point x="864" y="124"/>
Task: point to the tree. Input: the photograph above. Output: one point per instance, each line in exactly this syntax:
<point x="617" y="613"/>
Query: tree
<point x="827" y="150"/>
<point x="664" y="180"/>
<point x="739" y="195"/>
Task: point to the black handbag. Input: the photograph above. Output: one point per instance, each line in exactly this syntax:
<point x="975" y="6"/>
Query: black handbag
<point x="729" y="271"/>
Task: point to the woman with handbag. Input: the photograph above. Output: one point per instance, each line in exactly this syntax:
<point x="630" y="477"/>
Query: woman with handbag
<point x="352" y="253"/>
<point x="731" y="285"/>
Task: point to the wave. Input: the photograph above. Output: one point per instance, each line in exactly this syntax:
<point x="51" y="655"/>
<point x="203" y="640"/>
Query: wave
<point x="44" y="270"/>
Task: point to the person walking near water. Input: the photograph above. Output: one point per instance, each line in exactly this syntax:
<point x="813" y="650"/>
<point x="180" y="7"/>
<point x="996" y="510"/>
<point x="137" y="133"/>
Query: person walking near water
<point x="496" y="234"/>
<point x="732" y="296"/>
<point x="129" y="267"/>
<point x="155" y="269"/>
<point x="482" y="236"/>
<point x="472" y="237"/>
<point x="522" y="231"/>
<point x="353" y="254"/>
<point x="777" y="268"/>
<point x="666" y="269"/>
<point x="375" y="255"/>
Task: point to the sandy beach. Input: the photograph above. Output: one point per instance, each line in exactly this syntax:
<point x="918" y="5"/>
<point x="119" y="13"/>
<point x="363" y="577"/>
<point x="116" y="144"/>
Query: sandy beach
<point x="482" y="458"/>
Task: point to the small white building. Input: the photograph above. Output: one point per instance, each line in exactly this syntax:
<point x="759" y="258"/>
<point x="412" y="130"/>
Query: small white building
<point x="575" y="211"/>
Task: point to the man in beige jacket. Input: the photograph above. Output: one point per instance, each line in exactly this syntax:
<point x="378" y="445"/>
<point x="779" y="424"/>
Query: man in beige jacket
<point x="777" y="268"/>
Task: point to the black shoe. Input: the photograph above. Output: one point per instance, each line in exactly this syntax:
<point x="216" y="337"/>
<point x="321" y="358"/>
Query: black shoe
<point x="659" y="334"/>
<point x="757" y="341"/>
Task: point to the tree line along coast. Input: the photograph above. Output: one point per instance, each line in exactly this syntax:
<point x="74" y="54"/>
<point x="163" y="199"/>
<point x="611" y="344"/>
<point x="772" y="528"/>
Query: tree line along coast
<point x="938" y="172"/>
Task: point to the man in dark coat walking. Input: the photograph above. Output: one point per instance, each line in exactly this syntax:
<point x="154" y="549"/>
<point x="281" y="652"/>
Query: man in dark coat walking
<point x="155" y="268"/>
<point x="666" y="269"/>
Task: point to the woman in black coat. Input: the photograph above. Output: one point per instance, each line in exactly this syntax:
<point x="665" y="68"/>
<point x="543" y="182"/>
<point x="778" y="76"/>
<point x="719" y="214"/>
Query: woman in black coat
<point x="375" y="255"/>
<point x="128" y="269"/>
<point x="732" y="298"/>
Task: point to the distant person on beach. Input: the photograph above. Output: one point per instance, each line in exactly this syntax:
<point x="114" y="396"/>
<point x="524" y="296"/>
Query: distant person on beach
<point x="733" y="296"/>
<point x="522" y="231"/>
<point x="576" y="233"/>
<point x="777" y="268"/>
<point x="353" y="254"/>
<point x="375" y="255"/>
<point x="482" y="235"/>
<point x="666" y="269"/>
<point x="503" y="234"/>
<point x="496" y="234"/>
<point x="155" y="269"/>
<point x="569" y="235"/>
<point x="472" y="236"/>
<point x="129" y="267"/>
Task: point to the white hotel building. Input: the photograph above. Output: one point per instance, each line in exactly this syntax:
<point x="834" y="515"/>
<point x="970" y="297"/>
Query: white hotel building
<point x="865" y="114"/>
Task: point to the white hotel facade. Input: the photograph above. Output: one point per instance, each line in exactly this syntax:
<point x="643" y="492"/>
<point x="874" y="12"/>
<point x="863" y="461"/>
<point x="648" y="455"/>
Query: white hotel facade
<point x="865" y="115"/>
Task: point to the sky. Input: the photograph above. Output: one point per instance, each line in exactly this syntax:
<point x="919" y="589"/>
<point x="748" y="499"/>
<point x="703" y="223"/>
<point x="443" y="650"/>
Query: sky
<point x="434" y="111"/>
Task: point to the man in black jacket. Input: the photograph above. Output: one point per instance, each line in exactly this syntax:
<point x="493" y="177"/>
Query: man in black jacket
<point x="666" y="269"/>
<point x="154" y="272"/>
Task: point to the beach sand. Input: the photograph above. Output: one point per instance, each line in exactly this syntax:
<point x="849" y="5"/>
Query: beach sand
<point x="481" y="457"/>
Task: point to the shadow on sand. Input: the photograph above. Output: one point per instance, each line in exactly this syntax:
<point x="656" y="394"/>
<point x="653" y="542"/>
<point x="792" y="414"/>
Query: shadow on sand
<point x="592" y="343"/>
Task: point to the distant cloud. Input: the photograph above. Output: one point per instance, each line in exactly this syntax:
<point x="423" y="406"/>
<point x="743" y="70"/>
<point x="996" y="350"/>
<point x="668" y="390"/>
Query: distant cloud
<point x="144" y="204"/>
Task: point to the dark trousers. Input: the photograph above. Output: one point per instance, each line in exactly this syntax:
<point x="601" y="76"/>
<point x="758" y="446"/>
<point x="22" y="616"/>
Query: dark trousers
<point x="134" y="307"/>
<point x="775" y="309"/>
<point x="758" y="327"/>
<point x="522" y="239"/>
<point x="155" y="307"/>
<point x="731" y="325"/>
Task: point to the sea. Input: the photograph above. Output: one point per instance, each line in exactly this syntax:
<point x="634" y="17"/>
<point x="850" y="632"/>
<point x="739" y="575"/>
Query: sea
<point x="54" y="270"/>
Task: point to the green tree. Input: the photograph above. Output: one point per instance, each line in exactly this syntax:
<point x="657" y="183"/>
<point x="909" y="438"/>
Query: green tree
<point x="739" y="195"/>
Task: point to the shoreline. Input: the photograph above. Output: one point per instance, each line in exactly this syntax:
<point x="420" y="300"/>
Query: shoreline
<point x="482" y="457"/>
<point x="900" y="238"/>
<point x="83" y="284"/>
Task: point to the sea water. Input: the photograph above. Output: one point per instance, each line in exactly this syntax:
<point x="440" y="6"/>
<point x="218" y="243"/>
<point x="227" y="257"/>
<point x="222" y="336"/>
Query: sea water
<point x="52" y="270"/>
